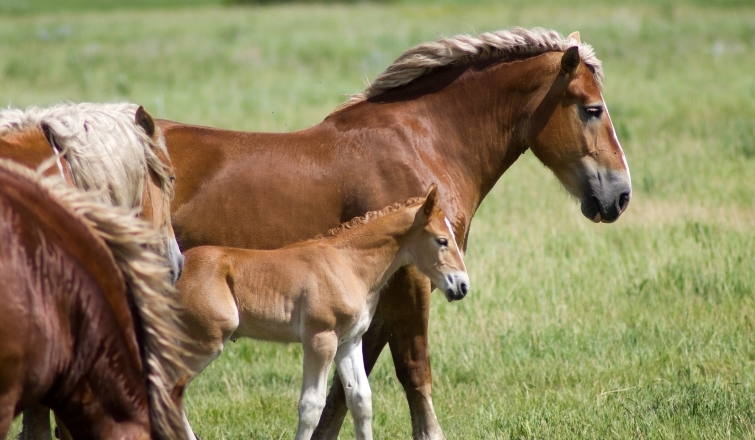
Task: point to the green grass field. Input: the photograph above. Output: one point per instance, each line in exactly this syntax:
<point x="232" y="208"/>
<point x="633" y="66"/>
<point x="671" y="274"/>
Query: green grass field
<point x="641" y="329"/>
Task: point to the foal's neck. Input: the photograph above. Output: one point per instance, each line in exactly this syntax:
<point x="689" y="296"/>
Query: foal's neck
<point x="374" y="249"/>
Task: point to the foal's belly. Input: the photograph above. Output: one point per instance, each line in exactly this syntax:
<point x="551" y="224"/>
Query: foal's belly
<point x="265" y="329"/>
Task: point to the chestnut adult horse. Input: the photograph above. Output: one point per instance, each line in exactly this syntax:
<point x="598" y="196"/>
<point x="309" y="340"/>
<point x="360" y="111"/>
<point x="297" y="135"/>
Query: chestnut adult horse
<point x="88" y="325"/>
<point x="458" y="111"/>
<point x="321" y="293"/>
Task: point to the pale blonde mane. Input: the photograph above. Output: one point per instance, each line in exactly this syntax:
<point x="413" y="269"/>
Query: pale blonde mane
<point x="148" y="282"/>
<point x="369" y="216"/>
<point x="107" y="151"/>
<point x="463" y="50"/>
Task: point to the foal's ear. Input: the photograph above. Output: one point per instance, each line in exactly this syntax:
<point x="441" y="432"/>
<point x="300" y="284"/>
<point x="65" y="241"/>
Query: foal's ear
<point x="570" y="60"/>
<point x="431" y="200"/>
<point x="574" y="36"/>
<point x="144" y="120"/>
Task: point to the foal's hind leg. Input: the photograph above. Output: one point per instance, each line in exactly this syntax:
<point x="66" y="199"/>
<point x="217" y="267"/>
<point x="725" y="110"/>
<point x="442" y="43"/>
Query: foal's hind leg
<point x="350" y="366"/>
<point x="319" y="350"/>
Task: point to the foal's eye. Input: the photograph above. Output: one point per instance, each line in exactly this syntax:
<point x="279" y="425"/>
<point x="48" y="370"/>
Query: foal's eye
<point x="442" y="241"/>
<point x="594" y="111"/>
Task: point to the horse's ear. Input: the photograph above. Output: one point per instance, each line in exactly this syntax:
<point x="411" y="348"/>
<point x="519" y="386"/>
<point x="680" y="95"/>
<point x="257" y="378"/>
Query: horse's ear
<point x="570" y="60"/>
<point x="48" y="135"/>
<point x="177" y="394"/>
<point x="574" y="36"/>
<point x="431" y="200"/>
<point x="144" y="120"/>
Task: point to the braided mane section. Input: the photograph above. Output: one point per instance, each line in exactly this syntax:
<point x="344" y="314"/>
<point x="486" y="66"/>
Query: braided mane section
<point x="465" y="49"/>
<point x="369" y="216"/>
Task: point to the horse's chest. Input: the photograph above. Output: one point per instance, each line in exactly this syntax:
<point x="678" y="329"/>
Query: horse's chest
<point x="360" y="321"/>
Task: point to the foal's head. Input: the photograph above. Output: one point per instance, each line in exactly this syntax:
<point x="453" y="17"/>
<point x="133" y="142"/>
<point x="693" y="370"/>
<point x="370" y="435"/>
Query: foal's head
<point x="572" y="134"/>
<point x="431" y="246"/>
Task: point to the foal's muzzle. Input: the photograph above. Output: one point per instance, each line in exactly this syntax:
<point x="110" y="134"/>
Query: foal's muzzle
<point x="455" y="286"/>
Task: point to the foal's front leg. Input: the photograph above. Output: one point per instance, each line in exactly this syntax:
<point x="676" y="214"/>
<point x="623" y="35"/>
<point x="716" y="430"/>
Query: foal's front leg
<point x="319" y="350"/>
<point x="350" y="365"/>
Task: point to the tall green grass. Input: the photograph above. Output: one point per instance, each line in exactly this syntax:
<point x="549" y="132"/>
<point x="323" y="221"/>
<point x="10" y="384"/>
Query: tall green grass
<point x="640" y="329"/>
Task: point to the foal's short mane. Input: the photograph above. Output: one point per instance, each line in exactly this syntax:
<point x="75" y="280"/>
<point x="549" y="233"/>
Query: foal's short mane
<point x="147" y="280"/>
<point x="369" y="216"/>
<point x="463" y="50"/>
<point x="103" y="145"/>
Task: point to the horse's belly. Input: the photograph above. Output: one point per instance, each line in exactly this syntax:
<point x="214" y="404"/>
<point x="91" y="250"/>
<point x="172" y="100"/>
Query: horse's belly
<point x="265" y="329"/>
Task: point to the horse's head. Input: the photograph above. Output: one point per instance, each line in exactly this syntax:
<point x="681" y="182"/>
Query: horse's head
<point x="572" y="134"/>
<point x="156" y="195"/>
<point x="432" y="248"/>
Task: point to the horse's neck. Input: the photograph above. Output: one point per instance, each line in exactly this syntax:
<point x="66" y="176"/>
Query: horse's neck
<point x="472" y="120"/>
<point x="374" y="249"/>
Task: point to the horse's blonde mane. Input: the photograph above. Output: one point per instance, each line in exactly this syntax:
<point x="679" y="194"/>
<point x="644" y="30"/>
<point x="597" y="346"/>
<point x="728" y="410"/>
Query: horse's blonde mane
<point x="465" y="49"/>
<point x="148" y="282"/>
<point x="107" y="151"/>
<point x="369" y="216"/>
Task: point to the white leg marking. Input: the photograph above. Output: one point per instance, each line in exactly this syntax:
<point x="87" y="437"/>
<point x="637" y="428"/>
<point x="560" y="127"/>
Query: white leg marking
<point x="318" y="355"/>
<point x="350" y="364"/>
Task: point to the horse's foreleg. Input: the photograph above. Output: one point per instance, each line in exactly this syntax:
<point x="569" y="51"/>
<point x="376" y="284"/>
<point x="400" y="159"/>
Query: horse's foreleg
<point x="36" y="424"/>
<point x="61" y="432"/>
<point x="405" y="306"/>
<point x="350" y="365"/>
<point x="319" y="351"/>
<point x="335" y="406"/>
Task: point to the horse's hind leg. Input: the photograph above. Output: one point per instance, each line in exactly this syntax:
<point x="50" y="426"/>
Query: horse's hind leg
<point x="350" y="365"/>
<point x="319" y="351"/>
<point x="36" y="424"/>
<point x="8" y="403"/>
<point x="61" y="432"/>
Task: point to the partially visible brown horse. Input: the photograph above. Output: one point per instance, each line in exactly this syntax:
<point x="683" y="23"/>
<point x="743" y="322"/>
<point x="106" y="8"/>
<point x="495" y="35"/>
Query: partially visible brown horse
<point x="114" y="149"/>
<point x="459" y="112"/>
<point x="88" y="327"/>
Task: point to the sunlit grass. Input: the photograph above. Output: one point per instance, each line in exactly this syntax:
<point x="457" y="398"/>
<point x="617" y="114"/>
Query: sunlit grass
<point x="640" y="329"/>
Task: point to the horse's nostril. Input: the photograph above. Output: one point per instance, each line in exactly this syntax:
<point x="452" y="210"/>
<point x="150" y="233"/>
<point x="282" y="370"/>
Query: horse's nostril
<point x="464" y="288"/>
<point x="623" y="201"/>
<point x="450" y="279"/>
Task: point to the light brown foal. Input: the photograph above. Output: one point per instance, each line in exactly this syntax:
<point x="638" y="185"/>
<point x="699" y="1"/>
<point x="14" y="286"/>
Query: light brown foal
<point x="321" y="292"/>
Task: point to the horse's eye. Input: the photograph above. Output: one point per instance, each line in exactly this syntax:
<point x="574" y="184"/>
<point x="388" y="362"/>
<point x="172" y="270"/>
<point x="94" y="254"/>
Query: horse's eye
<point x="594" y="111"/>
<point x="442" y="241"/>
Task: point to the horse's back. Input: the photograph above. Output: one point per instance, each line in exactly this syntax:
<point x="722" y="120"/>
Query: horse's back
<point x="266" y="190"/>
